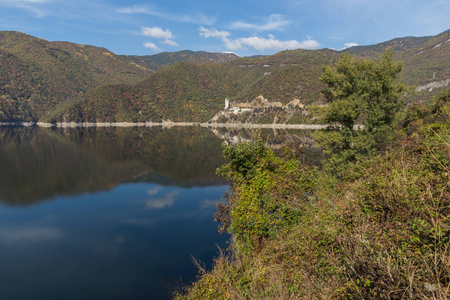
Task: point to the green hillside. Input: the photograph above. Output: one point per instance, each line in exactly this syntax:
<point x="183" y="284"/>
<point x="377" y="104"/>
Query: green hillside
<point x="20" y="91"/>
<point x="161" y="60"/>
<point x="180" y="92"/>
<point x="191" y="92"/>
<point x="61" y="81"/>
<point x="285" y="75"/>
<point x="429" y="61"/>
<point x="37" y="75"/>
<point x="397" y="45"/>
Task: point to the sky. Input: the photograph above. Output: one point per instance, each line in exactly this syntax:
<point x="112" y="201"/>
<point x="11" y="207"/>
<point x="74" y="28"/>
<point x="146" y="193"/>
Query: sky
<point x="244" y="27"/>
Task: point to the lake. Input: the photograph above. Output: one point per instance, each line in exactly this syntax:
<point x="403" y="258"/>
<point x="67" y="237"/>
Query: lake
<point x="112" y="213"/>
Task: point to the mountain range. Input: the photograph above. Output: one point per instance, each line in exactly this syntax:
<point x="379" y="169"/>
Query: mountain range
<point x="62" y="81"/>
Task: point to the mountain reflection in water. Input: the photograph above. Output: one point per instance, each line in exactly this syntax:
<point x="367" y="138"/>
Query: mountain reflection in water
<point x="111" y="213"/>
<point x="41" y="163"/>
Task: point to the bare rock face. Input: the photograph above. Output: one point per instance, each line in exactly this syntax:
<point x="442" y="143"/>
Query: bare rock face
<point x="436" y="84"/>
<point x="261" y="102"/>
<point x="295" y="103"/>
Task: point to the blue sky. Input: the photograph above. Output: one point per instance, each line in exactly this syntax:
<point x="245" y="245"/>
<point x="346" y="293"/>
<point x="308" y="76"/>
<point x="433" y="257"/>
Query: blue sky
<point x="245" y="27"/>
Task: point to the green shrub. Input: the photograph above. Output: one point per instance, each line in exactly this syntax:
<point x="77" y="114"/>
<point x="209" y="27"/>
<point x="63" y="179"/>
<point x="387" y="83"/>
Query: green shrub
<point x="267" y="193"/>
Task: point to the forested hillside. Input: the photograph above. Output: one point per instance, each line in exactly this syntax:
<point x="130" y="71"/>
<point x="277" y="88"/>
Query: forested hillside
<point x="20" y="90"/>
<point x="61" y="81"/>
<point x="425" y="60"/>
<point x="179" y="92"/>
<point x="284" y="76"/>
<point x="37" y="75"/>
<point x="161" y="60"/>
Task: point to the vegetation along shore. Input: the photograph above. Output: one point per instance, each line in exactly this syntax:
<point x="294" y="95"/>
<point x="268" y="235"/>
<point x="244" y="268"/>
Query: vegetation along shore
<point x="372" y="222"/>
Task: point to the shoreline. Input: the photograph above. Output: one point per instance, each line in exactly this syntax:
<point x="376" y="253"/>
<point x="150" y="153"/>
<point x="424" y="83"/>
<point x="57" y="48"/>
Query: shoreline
<point x="166" y="124"/>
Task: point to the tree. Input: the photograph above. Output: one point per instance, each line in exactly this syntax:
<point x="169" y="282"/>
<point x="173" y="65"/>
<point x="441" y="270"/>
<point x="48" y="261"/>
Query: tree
<point x="359" y="92"/>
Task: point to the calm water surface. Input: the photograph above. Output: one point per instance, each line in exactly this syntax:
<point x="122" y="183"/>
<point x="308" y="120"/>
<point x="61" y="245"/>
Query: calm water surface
<point x="107" y="213"/>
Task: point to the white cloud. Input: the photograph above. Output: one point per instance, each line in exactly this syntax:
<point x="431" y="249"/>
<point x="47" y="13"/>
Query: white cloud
<point x="161" y="203"/>
<point x="232" y="44"/>
<point x="256" y="42"/>
<point x="152" y="46"/>
<point x="157" y="32"/>
<point x="348" y="45"/>
<point x="271" y="43"/>
<point x="230" y="52"/>
<point x="207" y="33"/>
<point x="309" y="44"/>
<point x="273" y="22"/>
<point x="170" y="43"/>
<point x="34" y="6"/>
<point x="197" y="18"/>
<point x="223" y="35"/>
<point x="134" y="10"/>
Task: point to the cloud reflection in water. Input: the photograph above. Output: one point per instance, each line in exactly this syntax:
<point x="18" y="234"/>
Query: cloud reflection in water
<point x="30" y="235"/>
<point x="160" y="203"/>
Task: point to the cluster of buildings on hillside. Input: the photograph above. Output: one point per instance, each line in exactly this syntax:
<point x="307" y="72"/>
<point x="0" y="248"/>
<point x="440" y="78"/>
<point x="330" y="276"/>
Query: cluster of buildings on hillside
<point x="257" y="103"/>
